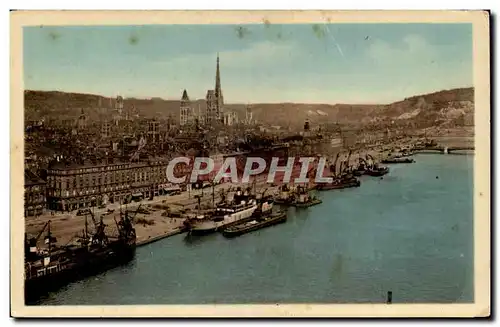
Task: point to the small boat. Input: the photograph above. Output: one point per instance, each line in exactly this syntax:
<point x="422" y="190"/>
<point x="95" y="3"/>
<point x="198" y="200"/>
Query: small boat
<point x="286" y="195"/>
<point x="256" y="224"/>
<point x="359" y="172"/>
<point x="310" y="203"/>
<point x="404" y="154"/>
<point x="397" y="160"/>
<point x="338" y="184"/>
<point x="298" y="197"/>
<point x="377" y="171"/>
<point x="361" y="169"/>
<point x="303" y="199"/>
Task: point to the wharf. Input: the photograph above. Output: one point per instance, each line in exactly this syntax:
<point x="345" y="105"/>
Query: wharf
<point x="150" y="239"/>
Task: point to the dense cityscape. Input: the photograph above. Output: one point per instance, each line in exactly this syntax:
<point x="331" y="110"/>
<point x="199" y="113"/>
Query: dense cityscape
<point x="111" y="157"/>
<point x="75" y="163"/>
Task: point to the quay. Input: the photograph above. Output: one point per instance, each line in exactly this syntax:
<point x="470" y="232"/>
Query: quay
<point x="150" y="239"/>
<point x="159" y="224"/>
<point x="154" y="226"/>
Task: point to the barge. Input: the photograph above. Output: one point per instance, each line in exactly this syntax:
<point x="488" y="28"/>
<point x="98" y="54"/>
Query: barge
<point x="256" y="224"/>
<point x="397" y="160"/>
<point x="338" y="184"/>
<point x="298" y="197"/>
<point x="377" y="171"/>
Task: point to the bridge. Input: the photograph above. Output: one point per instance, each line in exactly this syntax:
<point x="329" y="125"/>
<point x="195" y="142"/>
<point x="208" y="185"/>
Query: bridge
<point x="445" y="149"/>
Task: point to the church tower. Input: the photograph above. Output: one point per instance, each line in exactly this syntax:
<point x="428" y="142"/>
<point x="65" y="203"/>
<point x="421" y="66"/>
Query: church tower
<point x="218" y="90"/>
<point x="185" y="109"/>
<point x="215" y="99"/>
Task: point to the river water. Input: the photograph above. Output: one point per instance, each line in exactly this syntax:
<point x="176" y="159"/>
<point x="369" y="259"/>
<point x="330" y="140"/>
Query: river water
<point x="410" y="233"/>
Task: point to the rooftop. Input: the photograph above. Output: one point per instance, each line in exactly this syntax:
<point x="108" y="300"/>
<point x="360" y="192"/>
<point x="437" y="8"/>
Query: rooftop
<point x="31" y="178"/>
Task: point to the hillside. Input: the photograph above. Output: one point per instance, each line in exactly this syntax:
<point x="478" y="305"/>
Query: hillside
<point x="452" y="107"/>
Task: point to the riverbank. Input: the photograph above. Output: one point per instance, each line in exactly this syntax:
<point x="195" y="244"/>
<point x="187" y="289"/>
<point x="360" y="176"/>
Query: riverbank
<point x="165" y="218"/>
<point x="412" y="245"/>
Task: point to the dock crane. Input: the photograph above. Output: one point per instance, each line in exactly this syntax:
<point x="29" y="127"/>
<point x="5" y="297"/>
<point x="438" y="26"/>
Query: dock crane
<point x="333" y="168"/>
<point x="125" y="228"/>
<point x="369" y="161"/>
<point x="31" y="247"/>
<point x="99" y="237"/>
<point x="347" y="162"/>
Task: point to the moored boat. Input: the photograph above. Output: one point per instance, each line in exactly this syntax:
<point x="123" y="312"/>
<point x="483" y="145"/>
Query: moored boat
<point x="299" y="197"/>
<point x="285" y="196"/>
<point x="373" y="169"/>
<point x="307" y="204"/>
<point x="49" y="269"/>
<point x="239" y="210"/>
<point x="359" y="172"/>
<point x="255" y="224"/>
<point x="377" y="171"/>
<point x="398" y="160"/>
<point x="338" y="184"/>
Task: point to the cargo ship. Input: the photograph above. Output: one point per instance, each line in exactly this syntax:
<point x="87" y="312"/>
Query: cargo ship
<point x="52" y="267"/>
<point x="298" y="197"/>
<point x="240" y="209"/>
<point x="377" y="171"/>
<point x="263" y="217"/>
<point x="255" y="224"/>
<point x="339" y="183"/>
<point x="371" y="168"/>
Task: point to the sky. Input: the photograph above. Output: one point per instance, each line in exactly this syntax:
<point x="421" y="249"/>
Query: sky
<point x="302" y="63"/>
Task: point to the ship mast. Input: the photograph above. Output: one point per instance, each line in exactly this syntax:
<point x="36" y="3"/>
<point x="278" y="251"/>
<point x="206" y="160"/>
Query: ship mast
<point x="49" y="236"/>
<point x="86" y="229"/>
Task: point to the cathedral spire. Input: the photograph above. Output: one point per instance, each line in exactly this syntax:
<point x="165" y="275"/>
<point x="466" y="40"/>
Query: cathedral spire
<point x="185" y="96"/>
<point x="217" y="79"/>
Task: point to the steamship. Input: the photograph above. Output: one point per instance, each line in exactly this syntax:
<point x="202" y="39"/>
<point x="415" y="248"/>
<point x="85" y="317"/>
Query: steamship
<point x="240" y="209"/>
<point x="49" y="268"/>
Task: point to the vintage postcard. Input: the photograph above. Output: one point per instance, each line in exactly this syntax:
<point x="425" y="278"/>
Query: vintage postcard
<point x="250" y="164"/>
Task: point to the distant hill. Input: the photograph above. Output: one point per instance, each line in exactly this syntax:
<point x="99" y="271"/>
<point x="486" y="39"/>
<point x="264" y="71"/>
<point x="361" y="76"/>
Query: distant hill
<point x="453" y="107"/>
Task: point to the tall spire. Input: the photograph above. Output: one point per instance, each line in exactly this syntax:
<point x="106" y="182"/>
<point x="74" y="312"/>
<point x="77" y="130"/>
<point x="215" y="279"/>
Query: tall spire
<point x="185" y="96"/>
<point x="217" y="79"/>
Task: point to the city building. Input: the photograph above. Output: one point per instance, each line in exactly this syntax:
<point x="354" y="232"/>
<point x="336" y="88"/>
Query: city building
<point x="230" y="118"/>
<point x="72" y="186"/>
<point x="82" y="121"/>
<point x="215" y="100"/>
<point x="248" y="116"/>
<point x="105" y="129"/>
<point x="186" y="112"/>
<point x="199" y="116"/>
<point x="34" y="194"/>
<point x="118" y="110"/>
<point x="153" y="133"/>
<point x="307" y="129"/>
<point x="170" y="123"/>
